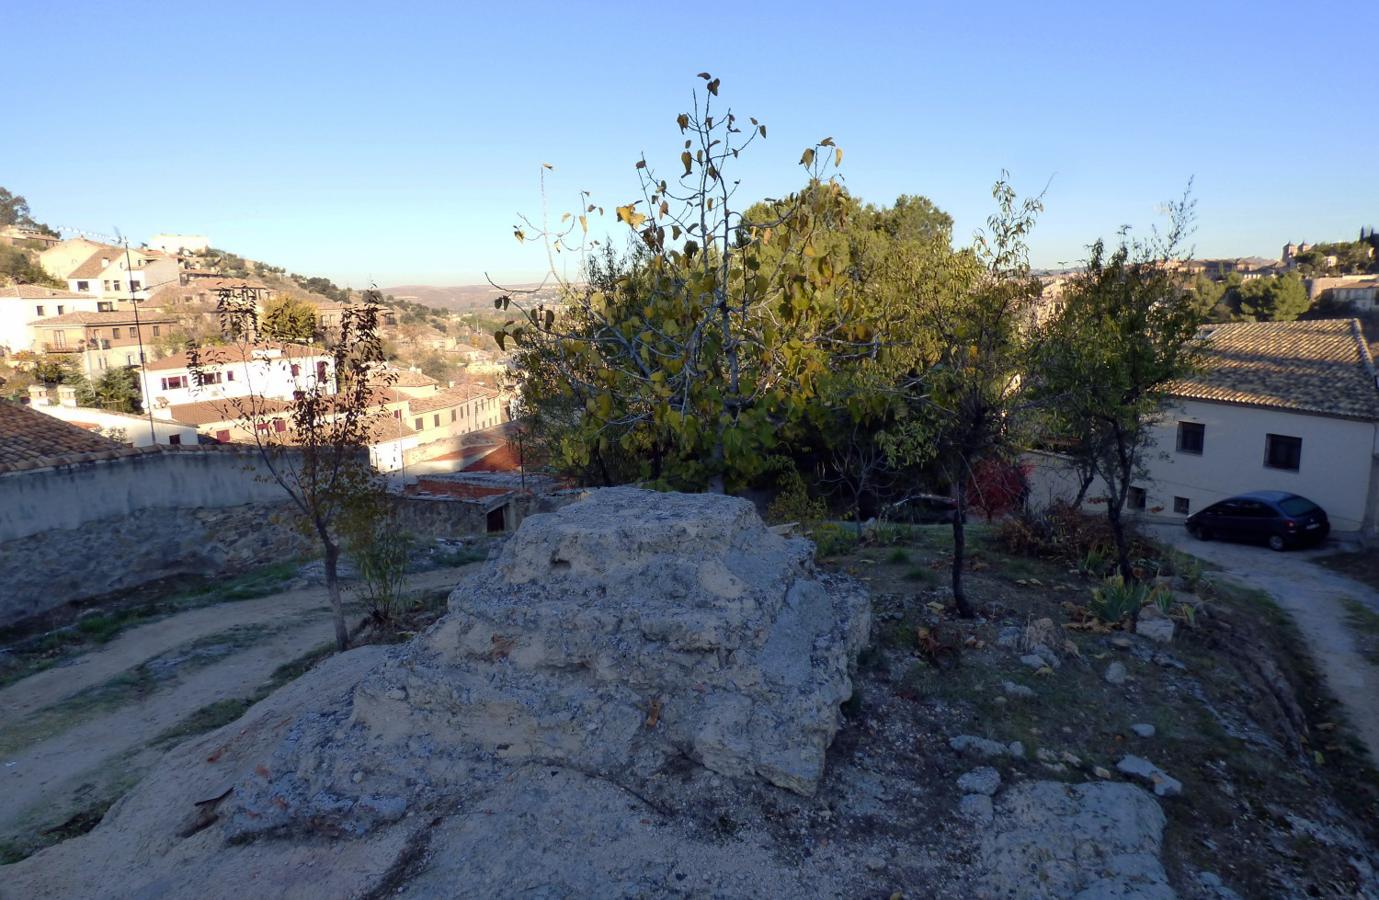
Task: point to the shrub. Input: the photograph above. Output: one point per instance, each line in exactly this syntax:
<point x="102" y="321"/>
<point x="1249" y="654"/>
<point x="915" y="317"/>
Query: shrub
<point x="1116" y="600"/>
<point x="997" y="486"/>
<point x="793" y="503"/>
<point x="1063" y="533"/>
<point x="831" y="539"/>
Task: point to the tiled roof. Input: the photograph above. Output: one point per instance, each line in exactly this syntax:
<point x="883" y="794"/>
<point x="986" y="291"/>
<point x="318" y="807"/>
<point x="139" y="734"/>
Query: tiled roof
<point x="409" y="378"/>
<point x="29" y="438"/>
<point x="447" y="398"/>
<point x="227" y="355"/>
<point x="103" y="318"/>
<point x="115" y="256"/>
<point x="206" y="412"/>
<point x="92" y="267"/>
<point x="38" y="292"/>
<point x="1321" y="366"/>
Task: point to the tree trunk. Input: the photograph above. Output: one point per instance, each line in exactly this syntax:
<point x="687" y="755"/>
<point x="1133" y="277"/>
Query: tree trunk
<point x="1118" y="531"/>
<point x="337" y="607"/>
<point x="1082" y="490"/>
<point x="960" y="551"/>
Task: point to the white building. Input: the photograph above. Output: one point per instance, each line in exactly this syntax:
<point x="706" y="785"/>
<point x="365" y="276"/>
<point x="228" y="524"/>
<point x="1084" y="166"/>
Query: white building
<point x="136" y="431"/>
<point x="271" y="372"/>
<point x="180" y="243"/>
<point x="118" y="273"/>
<point x="23" y="304"/>
<point x="1284" y="406"/>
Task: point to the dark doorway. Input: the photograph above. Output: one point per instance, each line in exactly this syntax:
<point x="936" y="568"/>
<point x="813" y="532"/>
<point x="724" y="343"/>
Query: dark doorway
<point x="496" y="520"/>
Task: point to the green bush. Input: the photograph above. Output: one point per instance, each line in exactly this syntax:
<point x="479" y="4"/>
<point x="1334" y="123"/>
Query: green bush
<point x="793" y="503"/>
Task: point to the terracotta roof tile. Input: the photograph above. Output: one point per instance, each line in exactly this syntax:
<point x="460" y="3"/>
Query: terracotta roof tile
<point x="29" y="438"/>
<point x="206" y="412"/>
<point x="146" y="317"/>
<point x="38" y="292"/>
<point x="1321" y="366"/>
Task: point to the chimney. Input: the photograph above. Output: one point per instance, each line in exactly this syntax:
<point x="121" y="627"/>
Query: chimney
<point x="67" y="395"/>
<point x="38" y="395"/>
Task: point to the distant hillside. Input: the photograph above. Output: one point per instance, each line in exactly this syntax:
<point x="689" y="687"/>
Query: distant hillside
<point x="460" y="298"/>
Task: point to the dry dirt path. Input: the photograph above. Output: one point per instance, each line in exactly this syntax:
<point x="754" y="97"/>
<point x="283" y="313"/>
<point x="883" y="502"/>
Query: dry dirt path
<point x="70" y="736"/>
<point x="1313" y="596"/>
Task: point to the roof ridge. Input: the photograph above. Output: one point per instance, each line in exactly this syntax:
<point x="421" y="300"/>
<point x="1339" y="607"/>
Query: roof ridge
<point x="1366" y="359"/>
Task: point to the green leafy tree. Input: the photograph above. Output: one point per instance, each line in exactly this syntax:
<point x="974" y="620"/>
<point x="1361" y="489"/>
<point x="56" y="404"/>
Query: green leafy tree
<point x="976" y="311"/>
<point x="693" y="351"/>
<point x="287" y="319"/>
<point x="116" y="390"/>
<point x="1276" y="298"/>
<point x="1106" y="362"/>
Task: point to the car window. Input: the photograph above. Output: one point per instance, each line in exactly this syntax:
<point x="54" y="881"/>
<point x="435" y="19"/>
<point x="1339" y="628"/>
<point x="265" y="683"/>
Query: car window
<point x="1256" y="510"/>
<point x="1297" y="506"/>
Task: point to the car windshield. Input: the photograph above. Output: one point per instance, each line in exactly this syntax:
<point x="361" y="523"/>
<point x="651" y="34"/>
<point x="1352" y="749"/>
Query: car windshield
<point x="1297" y="506"/>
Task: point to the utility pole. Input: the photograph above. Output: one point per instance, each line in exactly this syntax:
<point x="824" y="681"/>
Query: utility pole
<point x="139" y="335"/>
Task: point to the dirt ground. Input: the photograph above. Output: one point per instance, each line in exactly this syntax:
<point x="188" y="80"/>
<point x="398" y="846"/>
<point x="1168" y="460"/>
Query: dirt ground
<point x="76" y="735"/>
<point x="1278" y="798"/>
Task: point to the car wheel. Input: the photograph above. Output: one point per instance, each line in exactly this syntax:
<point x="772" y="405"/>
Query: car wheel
<point x="1201" y="533"/>
<point x="1276" y="542"/>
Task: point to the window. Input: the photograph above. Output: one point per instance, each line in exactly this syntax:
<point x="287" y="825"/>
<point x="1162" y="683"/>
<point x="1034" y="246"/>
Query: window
<point x="104" y="306"/>
<point x="175" y="382"/>
<point x="39" y="310"/>
<point x="157" y="330"/>
<point x="222" y="437"/>
<point x="135" y="285"/>
<point x="83" y="285"/>
<point x="1282" y="452"/>
<point x="262" y="426"/>
<point x="114" y="334"/>
<point x="174" y="439"/>
<point x="129" y="359"/>
<point x="397" y="414"/>
<point x="418" y="424"/>
<point x="436" y="420"/>
<point x="296" y="370"/>
<point x="321" y="372"/>
<point x="1192" y="436"/>
<point x="61" y="309"/>
<point x="229" y="376"/>
<point x="279" y="425"/>
<point x="1136" y="498"/>
<point x="106" y="284"/>
<point x="1181" y="505"/>
<point x="208" y="378"/>
<point x="115" y="285"/>
<point x="452" y="415"/>
<point x="60" y="339"/>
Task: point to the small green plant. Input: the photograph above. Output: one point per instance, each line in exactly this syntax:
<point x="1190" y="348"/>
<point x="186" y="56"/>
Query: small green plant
<point x="380" y="548"/>
<point x="1093" y="563"/>
<point x="1116" y="600"/>
<point x="898" y="557"/>
<point x="833" y="540"/>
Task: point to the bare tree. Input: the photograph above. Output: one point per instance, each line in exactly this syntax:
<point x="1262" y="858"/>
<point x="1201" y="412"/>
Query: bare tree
<point x="315" y="445"/>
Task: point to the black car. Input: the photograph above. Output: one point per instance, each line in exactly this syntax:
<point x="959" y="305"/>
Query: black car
<point x="1276" y="518"/>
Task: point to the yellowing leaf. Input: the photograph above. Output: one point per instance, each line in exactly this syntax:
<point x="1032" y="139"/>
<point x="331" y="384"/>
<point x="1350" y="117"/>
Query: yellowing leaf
<point x="688" y="161"/>
<point x="630" y="215"/>
<point x="838" y="156"/>
<point x="807" y="158"/>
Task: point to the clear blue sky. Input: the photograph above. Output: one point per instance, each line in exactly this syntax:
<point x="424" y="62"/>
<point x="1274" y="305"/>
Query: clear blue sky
<point x="396" y="142"/>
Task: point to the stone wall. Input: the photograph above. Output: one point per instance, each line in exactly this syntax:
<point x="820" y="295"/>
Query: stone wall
<point x="71" y="532"/>
<point x="44" y="571"/>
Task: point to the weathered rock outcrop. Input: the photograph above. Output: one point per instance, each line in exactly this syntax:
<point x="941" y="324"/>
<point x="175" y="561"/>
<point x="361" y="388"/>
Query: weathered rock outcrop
<point x="624" y="635"/>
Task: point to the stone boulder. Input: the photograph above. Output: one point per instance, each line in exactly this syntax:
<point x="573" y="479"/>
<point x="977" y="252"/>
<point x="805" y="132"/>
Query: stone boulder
<point x="1089" y="841"/>
<point x="613" y="636"/>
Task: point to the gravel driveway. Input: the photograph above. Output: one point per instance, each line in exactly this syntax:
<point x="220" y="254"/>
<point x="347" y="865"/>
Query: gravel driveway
<point x="1312" y="595"/>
